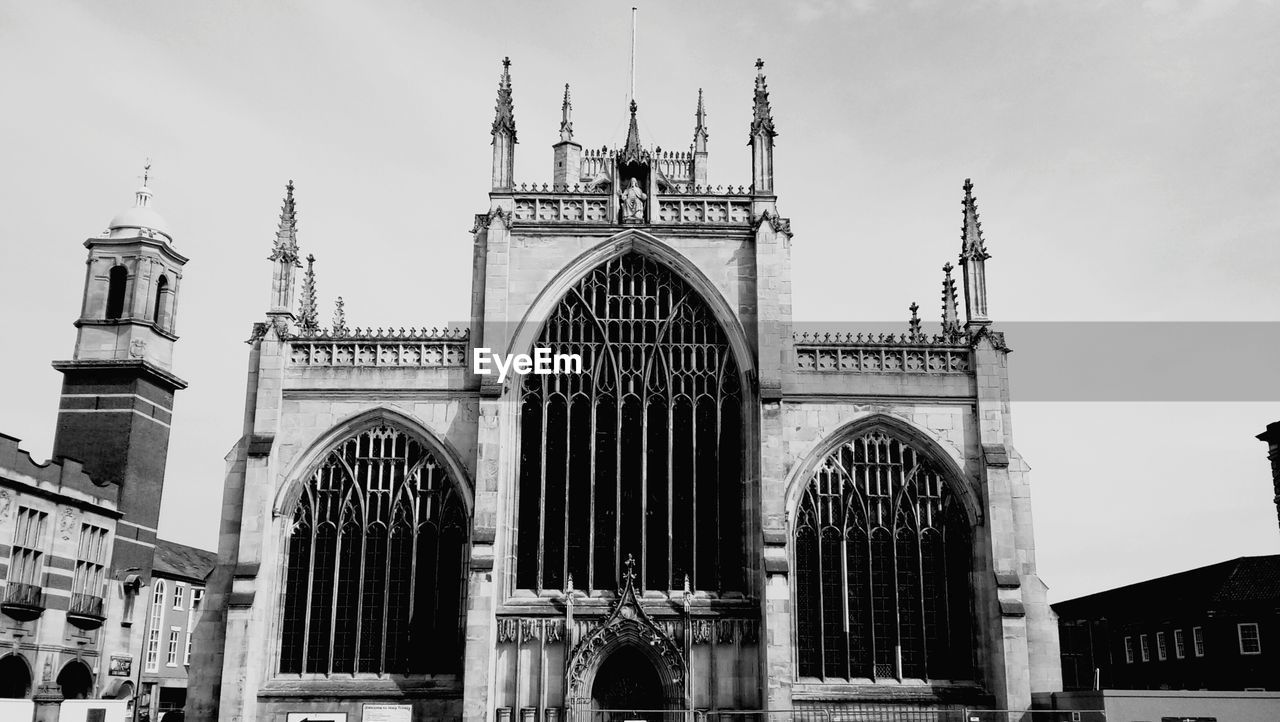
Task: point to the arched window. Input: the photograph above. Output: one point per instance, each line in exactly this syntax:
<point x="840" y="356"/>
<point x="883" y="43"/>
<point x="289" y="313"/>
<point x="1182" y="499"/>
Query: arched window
<point x="641" y="454"/>
<point x="374" y="565"/>
<point x="158" y="314"/>
<point x="117" y="279"/>
<point x="882" y="552"/>
<point x="157" y="620"/>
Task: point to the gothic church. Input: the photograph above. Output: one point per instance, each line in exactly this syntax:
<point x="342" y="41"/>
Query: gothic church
<point x="717" y="514"/>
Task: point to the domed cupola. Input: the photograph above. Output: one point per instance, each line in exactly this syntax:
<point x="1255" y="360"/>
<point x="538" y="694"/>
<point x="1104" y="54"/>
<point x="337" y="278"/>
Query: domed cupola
<point x="141" y="217"/>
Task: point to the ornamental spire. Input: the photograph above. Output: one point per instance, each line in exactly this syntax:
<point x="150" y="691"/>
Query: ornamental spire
<point x="971" y="232"/>
<point x="762" y="118"/>
<point x="700" y="129"/>
<point x="566" y="124"/>
<point x="950" y="310"/>
<point x="631" y="150"/>
<point x="286" y="245"/>
<point x="307" y="321"/>
<point x="504" y="120"/>
<point x="916" y="335"/>
<point x="973" y="260"/>
<point x="285" y="255"/>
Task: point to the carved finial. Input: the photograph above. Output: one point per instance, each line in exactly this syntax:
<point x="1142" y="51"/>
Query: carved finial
<point x="566" y="124"/>
<point x="568" y="585"/>
<point x="762" y="117"/>
<point x="700" y="127"/>
<point x="307" y="321"/>
<point x="688" y="589"/>
<point x="915" y="334"/>
<point x="950" y="309"/>
<point x="631" y="150"/>
<point x="504" y="120"/>
<point x="339" y="317"/>
<point x="630" y="564"/>
<point x="146" y="173"/>
<point x="972" y="243"/>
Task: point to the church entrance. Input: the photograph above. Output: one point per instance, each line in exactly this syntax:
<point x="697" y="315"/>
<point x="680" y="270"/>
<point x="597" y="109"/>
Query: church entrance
<point x="627" y="687"/>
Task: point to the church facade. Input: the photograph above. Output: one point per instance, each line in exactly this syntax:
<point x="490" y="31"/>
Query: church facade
<point x="715" y="512"/>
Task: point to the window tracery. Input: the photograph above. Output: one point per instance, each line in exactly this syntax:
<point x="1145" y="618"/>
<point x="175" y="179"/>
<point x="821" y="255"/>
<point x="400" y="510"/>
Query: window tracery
<point x="640" y="454"/>
<point x="882" y="559"/>
<point x="375" y="561"/>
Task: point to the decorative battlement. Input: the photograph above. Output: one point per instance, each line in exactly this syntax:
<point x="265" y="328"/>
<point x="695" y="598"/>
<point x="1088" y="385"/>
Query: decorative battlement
<point x="64" y="476"/>
<point x="423" y="348"/>
<point x="685" y="205"/>
<point x="882" y="353"/>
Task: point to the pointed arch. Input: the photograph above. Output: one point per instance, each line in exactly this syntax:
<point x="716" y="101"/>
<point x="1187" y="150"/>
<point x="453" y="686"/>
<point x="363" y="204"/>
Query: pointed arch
<point x="920" y="439"/>
<point x="635" y="241"/>
<point x="288" y="493"/>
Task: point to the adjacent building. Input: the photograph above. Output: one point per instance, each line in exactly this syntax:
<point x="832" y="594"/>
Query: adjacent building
<point x="177" y="600"/>
<point x="1214" y="628"/>
<point x="720" y="511"/>
<point x="79" y="554"/>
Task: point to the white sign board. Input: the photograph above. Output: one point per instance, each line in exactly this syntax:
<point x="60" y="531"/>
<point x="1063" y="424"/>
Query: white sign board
<point x="19" y="710"/>
<point x="387" y="713"/>
<point x="315" y="717"/>
<point x="93" y="710"/>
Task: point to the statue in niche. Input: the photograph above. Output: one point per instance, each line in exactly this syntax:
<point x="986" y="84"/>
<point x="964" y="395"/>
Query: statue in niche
<point x="632" y="203"/>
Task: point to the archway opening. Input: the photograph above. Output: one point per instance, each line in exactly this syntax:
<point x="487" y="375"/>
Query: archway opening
<point x="75" y="680"/>
<point x="15" y="678"/>
<point x="628" y="687"/>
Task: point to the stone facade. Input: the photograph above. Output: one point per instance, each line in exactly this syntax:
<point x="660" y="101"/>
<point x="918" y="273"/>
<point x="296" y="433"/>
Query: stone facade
<point x="536" y="652"/>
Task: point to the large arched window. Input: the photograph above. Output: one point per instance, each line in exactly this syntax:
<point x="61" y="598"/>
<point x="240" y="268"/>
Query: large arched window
<point x="374" y="565"/>
<point x="641" y="454"/>
<point x="882" y="552"/>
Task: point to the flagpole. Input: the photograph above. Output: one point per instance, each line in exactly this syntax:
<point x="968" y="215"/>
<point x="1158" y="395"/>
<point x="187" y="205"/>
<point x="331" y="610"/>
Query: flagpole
<point x="633" y="54"/>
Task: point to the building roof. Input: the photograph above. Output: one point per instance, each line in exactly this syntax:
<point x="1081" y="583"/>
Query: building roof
<point x="1243" y="580"/>
<point x="179" y="560"/>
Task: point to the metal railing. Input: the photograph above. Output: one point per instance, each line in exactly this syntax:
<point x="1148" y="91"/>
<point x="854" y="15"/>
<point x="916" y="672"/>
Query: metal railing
<point x="851" y="713"/>
<point x="25" y="595"/>
<point x="88" y="605"/>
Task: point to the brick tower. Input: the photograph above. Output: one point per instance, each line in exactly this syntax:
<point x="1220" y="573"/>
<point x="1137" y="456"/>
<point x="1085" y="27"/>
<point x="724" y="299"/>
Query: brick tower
<point x="116" y="406"/>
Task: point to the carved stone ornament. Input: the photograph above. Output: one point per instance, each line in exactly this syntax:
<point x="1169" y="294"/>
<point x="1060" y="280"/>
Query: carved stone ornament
<point x="626" y="625"/>
<point x="484" y="220"/>
<point x="138" y="348"/>
<point x="67" y="524"/>
<point x="776" y="222"/>
<point x="5" y="502"/>
<point x="996" y="338"/>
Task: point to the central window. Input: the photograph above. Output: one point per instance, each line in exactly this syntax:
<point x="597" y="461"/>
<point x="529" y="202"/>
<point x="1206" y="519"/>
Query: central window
<point x="642" y="453"/>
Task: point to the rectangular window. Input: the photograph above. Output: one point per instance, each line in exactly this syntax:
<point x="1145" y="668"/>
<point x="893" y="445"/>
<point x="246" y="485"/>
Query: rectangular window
<point x="1161" y="652"/>
<point x="1144" y="647"/>
<point x="1250" y="640"/>
<point x="1179" y="644"/>
<point x="1128" y="650"/>
<point x="175" y="634"/>
<point x="1197" y="640"/>
<point x="91" y="561"/>
<point x="26" y="565"/>
<point x="179" y="591"/>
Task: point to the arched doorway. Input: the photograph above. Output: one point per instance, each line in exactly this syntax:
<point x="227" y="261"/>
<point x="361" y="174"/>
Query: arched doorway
<point x="15" y="677"/>
<point x="75" y="680"/>
<point x="625" y="683"/>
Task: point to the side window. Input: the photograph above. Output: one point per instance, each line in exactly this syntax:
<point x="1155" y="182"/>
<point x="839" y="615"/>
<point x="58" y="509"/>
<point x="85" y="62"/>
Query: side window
<point x="117" y="279"/>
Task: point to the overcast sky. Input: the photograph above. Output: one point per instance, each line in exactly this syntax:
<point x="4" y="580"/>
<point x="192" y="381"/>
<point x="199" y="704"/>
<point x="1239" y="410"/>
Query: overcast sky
<point x="1124" y="156"/>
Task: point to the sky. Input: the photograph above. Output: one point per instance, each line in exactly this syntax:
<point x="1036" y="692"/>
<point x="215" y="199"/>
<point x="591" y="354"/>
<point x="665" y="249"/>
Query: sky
<point x="1124" y="156"/>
